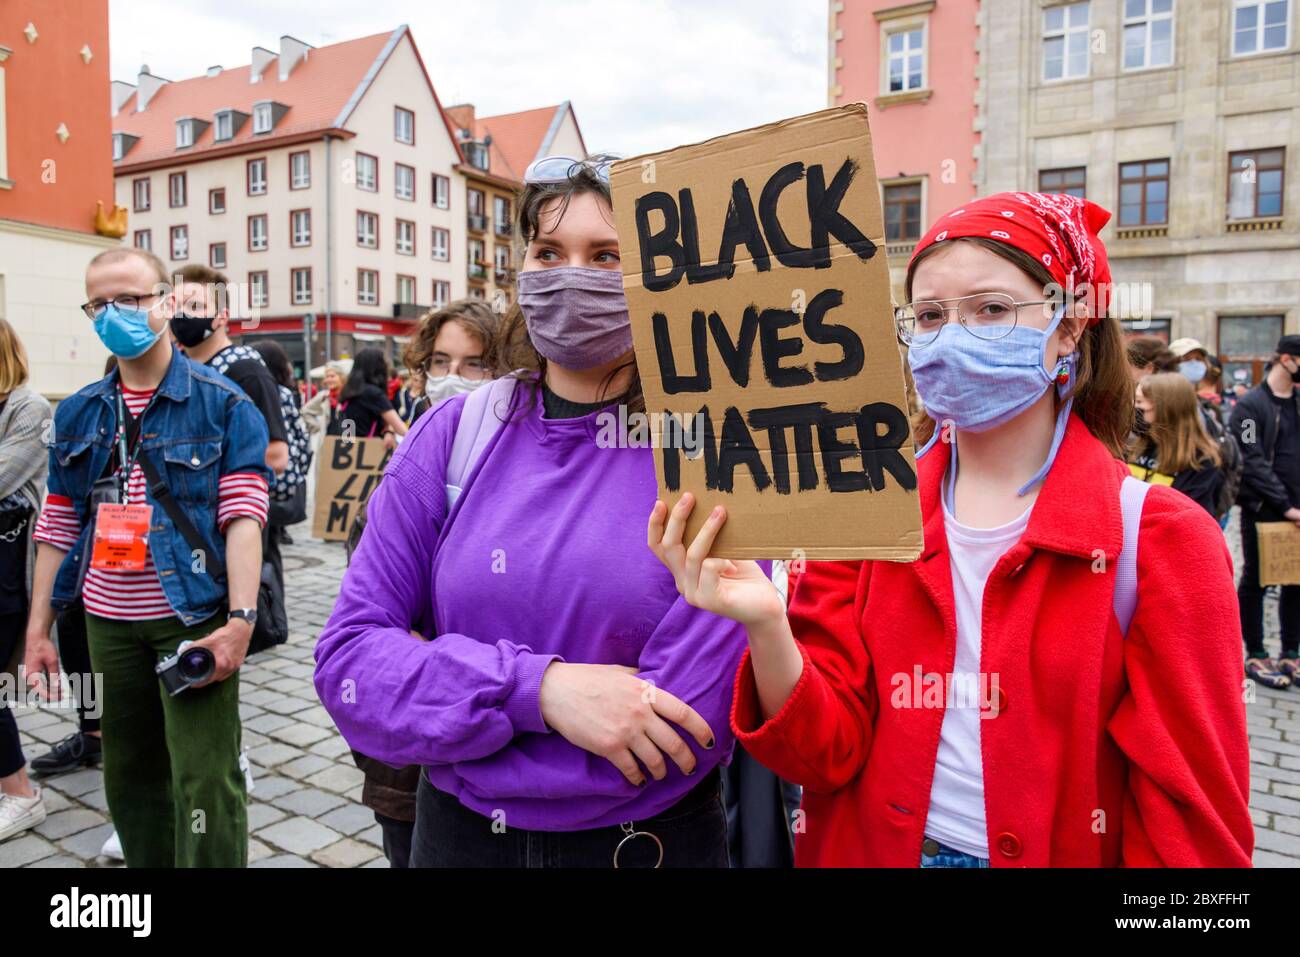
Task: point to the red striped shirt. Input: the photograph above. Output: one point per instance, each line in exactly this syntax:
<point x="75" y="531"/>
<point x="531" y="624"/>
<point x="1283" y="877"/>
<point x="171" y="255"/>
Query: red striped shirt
<point x="138" y="595"/>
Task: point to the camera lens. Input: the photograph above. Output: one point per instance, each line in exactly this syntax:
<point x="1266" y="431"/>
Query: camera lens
<point x="196" y="664"/>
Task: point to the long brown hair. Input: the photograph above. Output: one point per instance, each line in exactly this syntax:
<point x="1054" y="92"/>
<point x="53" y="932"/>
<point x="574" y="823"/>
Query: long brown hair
<point x="513" y="349"/>
<point x="1103" y="387"/>
<point x="13" y="359"/>
<point x="1177" y="435"/>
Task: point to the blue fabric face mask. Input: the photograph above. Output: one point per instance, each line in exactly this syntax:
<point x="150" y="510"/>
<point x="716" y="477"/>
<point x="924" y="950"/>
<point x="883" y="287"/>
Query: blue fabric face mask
<point x="978" y="384"/>
<point x="1193" y="369"/>
<point x="125" y="332"/>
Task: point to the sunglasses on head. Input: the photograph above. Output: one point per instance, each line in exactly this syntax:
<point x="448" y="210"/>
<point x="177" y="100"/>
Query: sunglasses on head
<point x="560" y="169"/>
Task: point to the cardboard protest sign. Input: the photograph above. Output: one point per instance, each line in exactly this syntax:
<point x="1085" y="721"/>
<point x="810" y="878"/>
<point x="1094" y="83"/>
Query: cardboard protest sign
<point x="347" y="471"/>
<point x="1279" y="553"/>
<point x="755" y="273"/>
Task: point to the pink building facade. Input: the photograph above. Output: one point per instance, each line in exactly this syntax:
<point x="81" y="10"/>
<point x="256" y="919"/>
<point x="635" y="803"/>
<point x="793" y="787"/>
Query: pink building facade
<point x="916" y="67"/>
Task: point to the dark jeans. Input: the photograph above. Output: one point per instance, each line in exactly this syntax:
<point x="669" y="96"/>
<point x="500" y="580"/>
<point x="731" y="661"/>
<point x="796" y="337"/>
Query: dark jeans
<point x="447" y="834"/>
<point x="397" y="839"/>
<point x="12" y="627"/>
<point x="1250" y="594"/>
<point x="74" y="655"/>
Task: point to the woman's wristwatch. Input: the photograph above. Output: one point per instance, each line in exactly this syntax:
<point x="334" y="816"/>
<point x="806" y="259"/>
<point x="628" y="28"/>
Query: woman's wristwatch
<point x="248" y="614"/>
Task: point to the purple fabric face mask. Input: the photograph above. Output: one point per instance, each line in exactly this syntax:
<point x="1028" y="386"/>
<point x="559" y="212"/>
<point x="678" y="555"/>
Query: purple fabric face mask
<point x="576" y="315"/>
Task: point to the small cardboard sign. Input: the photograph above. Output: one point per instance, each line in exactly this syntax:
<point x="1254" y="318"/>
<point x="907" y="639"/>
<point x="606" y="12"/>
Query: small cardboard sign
<point x="347" y="471"/>
<point x="755" y="273"/>
<point x="1279" y="553"/>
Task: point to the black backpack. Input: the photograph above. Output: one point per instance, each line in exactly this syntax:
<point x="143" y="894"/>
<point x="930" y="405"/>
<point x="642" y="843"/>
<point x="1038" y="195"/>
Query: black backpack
<point x="1232" y="464"/>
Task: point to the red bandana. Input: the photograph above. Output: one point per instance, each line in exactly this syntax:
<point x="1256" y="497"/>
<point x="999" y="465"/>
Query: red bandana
<point x="1059" y="231"/>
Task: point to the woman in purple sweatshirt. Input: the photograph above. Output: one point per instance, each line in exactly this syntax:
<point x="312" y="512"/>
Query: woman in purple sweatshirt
<point x="571" y="709"/>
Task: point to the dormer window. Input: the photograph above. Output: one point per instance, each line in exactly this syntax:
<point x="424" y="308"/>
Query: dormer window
<point x="122" y="143"/>
<point x="188" y="130"/>
<point x="477" y="155"/>
<point x="225" y="126"/>
<point x="263" y="119"/>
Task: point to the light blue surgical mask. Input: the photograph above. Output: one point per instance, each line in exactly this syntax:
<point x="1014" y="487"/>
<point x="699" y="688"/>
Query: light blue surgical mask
<point x="978" y="384"/>
<point x="125" y="332"/>
<point x="1193" y="370"/>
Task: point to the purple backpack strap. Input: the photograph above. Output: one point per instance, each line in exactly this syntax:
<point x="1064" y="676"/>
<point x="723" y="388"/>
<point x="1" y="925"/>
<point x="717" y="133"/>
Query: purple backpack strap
<point x="1132" y="494"/>
<point x="480" y="420"/>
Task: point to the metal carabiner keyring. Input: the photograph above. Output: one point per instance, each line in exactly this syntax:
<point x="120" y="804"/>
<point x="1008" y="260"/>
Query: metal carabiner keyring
<point x="631" y="833"/>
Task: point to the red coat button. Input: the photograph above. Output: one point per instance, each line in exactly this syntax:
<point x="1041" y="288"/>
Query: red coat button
<point x="1009" y="844"/>
<point x="1001" y="699"/>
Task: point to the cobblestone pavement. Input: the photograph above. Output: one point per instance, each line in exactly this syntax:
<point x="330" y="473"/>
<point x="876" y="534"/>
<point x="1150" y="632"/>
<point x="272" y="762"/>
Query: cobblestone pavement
<point x="305" y="808"/>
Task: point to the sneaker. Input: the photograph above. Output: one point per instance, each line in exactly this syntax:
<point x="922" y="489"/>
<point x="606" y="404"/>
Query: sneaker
<point x="1266" y="672"/>
<point x="75" y="751"/>
<point x="18" y="814"/>
<point x="1290" y="667"/>
<point x="112" y="848"/>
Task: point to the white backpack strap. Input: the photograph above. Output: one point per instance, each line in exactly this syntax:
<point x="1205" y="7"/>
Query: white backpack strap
<point x="1132" y="494"/>
<point x="480" y="420"/>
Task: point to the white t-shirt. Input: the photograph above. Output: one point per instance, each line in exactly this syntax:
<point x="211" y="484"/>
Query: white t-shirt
<point x="956" y="816"/>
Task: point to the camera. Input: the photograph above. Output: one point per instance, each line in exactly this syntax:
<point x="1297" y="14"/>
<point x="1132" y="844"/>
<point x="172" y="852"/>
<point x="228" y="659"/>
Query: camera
<point x="189" y="666"/>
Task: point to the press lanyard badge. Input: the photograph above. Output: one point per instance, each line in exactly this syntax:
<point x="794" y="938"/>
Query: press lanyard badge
<point x="121" y="537"/>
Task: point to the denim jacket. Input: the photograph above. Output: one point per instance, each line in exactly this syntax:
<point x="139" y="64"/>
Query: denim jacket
<point x="198" y="427"/>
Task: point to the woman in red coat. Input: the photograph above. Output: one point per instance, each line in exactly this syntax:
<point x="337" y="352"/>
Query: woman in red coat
<point x="983" y="705"/>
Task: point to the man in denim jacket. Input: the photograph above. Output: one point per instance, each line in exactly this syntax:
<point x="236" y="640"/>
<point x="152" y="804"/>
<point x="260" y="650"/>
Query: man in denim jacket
<point x="171" y="762"/>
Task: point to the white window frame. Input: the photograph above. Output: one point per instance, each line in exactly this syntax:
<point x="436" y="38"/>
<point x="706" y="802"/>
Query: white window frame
<point x="300" y="296"/>
<point x="181" y="233"/>
<point x="404" y="241"/>
<point x="441" y="251"/>
<point x="441" y="293"/>
<point x="1259" y="29"/>
<point x="256" y="187"/>
<point x="400" y="169"/>
<point x="258" y="244"/>
<point x="1066" y="31"/>
<point x="906" y="31"/>
<point x="148" y="239"/>
<point x="407" y="297"/>
<point x="212" y="258"/>
<point x="212" y="195"/>
<point x="368" y="238"/>
<point x="1145" y="19"/>
<point x="367" y="287"/>
<point x="295" y="180"/>
<point x="300" y="234"/>
<point x="136" y="205"/>
<point x="263" y="118"/>
<point x="224" y="119"/>
<point x="441" y="191"/>
<point x="172" y="180"/>
<point x="398" y="113"/>
<point x="372" y="162"/>
<point x="184" y="133"/>
<point x="259" y="292"/>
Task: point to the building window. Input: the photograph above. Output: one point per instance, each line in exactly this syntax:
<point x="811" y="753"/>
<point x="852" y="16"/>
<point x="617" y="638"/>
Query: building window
<point x="368" y="230"/>
<point x="906" y="52"/>
<point x="217" y="255"/>
<point x="180" y="245"/>
<point x="501" y="261"/>
<point x="405" y="237"/>
<point x="225" y="126"/>
<point x="1260" y="25"/>
<point x="1246" y="346"/>
<point x="441" y="192"/>
<point x="300" y="282"/>
<point x="404" y="181"/>
<point x="262" y="119"/>
<point x="406" y="289"/>
<point x="1065" y="42"/>
<point x="176" y="190"/>
<point x="299" y="170"/>
<point x="143" y="239"/>
<point x="300" y="227"/>
<point x="118" y="150"/>
<point x="367" y="287"/>
<point x="501" y="215"/>
<point x="140" y="194"/>
<point x="1255" y="180"/>
<point x="1070" y="180"/>
<point x="257" y="233"/>
<point x="257" y="177"/>
<point x="258" y="293"/>
<point x="476" y="154"/>
<point x="184" y="133"/>
<point x="1148" y="33"/>
<point x="441" y="244"/>
<point x="367" y="172"/>
<point x="403" y="125"/>
<point x="902" y="212"/>
<point x="441" y="293"/>
<point x="1156" y="327"/>
<point x="216" y="201"/>
<point x="1144" y="193"/>
<point x="477" y="267"/>
<point x="477" y="210"/>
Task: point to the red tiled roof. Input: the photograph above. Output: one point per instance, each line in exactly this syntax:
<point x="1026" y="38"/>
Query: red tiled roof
<point x="517" y="138"/>
<point x="317" y="90"/>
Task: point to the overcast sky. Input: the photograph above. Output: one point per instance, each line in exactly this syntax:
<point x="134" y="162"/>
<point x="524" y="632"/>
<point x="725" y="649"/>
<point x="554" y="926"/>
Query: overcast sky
<point x="643" y="75"/>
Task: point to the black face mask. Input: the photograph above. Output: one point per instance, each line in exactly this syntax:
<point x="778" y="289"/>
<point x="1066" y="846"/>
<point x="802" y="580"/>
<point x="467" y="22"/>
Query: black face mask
<point x="191" y="330"/>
